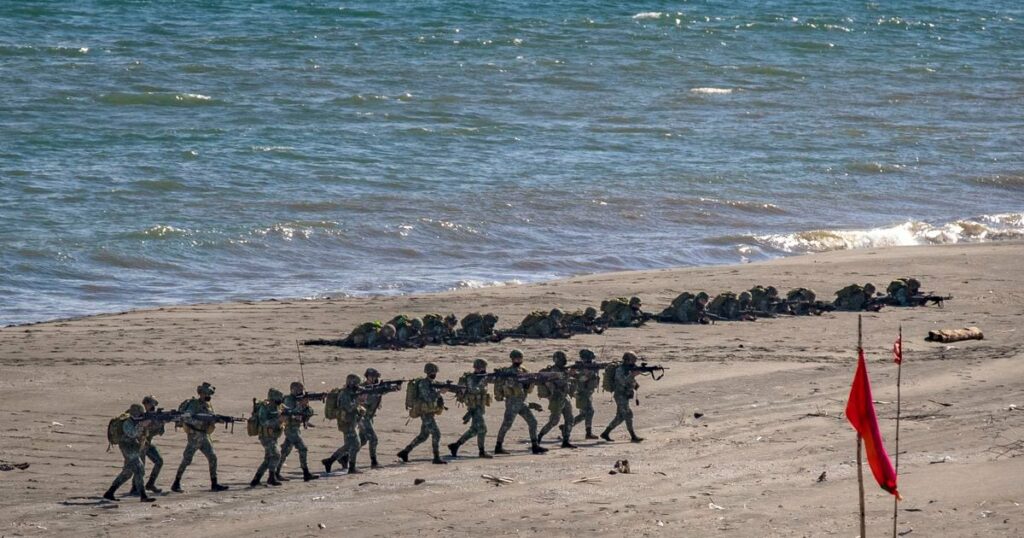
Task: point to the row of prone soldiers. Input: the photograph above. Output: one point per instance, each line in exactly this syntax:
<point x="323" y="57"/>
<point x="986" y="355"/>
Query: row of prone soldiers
<point x="760" y="301"/>
<point x="355" y="406"/>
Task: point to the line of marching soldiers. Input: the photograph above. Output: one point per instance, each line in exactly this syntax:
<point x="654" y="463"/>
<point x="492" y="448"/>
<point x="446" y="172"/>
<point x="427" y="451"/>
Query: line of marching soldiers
<point x="354" y="408"/>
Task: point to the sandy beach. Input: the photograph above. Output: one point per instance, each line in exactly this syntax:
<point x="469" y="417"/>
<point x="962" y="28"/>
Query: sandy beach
<point x="771" y="392"/>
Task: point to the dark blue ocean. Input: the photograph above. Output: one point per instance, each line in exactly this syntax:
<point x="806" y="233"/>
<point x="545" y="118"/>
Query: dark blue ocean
<point x="158" y="153"/>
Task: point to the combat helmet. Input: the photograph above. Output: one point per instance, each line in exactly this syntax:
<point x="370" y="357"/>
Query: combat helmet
<point x="630" y="357"/>
<point x="275" y="395"/>
<point x="587" y="355"/>
<point x="430" y="368"/>
<point x="480" y="363"/>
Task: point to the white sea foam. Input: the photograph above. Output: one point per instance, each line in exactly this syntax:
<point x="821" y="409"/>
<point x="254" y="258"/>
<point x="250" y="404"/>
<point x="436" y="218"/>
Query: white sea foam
<point x="474" y="284"/>
<point x="980" y="229"/>
<point x="648" y="15"/>
<point x="711" y="91"/>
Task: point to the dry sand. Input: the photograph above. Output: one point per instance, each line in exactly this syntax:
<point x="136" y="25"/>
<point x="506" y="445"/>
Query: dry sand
<point x="772" y="393"/>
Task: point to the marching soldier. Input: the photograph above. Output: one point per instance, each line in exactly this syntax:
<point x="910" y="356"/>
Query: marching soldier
<point x="625" y="389"/>
<point x="428" y="404"/>
<point x="149" y="450"/>
<point x="515" y="405"/>
<point x="268" y="416"/>
<point x="130" y="435"/>
<point x="199" y="437"/>
<point x="558" y="400"/>
<point x="349" y="415"/>
<point x="299" y="414"/>
<point x="371" y="402"/>
<point x="476" y="399"/>
<point x="586" y="381"/>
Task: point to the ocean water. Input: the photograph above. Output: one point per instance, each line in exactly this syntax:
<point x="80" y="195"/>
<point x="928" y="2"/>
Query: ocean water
<point x="157" y="153"/>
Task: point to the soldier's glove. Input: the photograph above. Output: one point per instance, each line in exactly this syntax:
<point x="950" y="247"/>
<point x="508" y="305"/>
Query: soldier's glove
<point x="535" y="406"/>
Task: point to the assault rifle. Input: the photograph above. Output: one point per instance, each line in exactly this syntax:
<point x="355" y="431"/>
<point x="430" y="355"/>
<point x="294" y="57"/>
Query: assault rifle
<point x="381" y="387"/>
<point x="563" y="332"/>
<point x="315" y="396"/>
<point x="523" y="377"/>
<point x="210" y="418"/>
<point x="798" y="307"/>
<point x="463" y="340"/>
<point x="159" y="416"/>
<point x="922" y="299"/>
<point x="644" y="369"/>
<point x="448" y="385"/>
<point x="580" y="365"/>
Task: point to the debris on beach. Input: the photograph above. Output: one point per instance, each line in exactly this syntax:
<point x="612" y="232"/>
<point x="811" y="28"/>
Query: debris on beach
<point x="955" y="335"/>
<point x="498" y="480"/>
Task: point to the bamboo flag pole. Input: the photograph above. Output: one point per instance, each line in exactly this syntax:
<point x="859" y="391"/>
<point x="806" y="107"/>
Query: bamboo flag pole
<point x="860" y="464"/>
<point x="899" y="375"/>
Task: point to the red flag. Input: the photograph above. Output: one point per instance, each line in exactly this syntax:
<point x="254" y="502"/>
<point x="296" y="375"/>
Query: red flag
<point x="860" y="411"/>
<point x="897" y="350"/>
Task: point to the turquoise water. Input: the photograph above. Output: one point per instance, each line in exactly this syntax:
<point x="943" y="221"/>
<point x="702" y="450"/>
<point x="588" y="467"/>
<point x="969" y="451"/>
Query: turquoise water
<point x="192" y="151"/>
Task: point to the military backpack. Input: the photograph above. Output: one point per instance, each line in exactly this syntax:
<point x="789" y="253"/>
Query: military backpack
<point x="115" y="428"/>
<point x="608" y="380"/>
<point x="331" y="404"/>
<point x="252" y="424"/>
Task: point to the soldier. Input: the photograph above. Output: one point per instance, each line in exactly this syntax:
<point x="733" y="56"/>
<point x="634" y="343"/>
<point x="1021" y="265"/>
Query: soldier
<point x="477" y="327"/>
<point x="586" y="382"/>
<point x="476" y="399"/>
<point x="269" y="418"/>
<point x="130" y="436"/>
<point x="558" y="400"/>
<point x="198" y="437"/>
<point x="298" y="414"/>
<point x="428" y="403"/>
<point x="349" y="415"/>
<point x="437" y="329"/>
<point x="584" y="322"/>
<point x="371" y="402"/>
<point x="855" y="297"/>
<point x="150" y="451"/>
<point x="619" y="312"/>
<point x="625" y="388"/>
<point x="365" y="335"/>
<point x="539" y="324"/>
<point x="902" y="291"/>
<point x="515" y="405"/>
<point x="387" y="338"/>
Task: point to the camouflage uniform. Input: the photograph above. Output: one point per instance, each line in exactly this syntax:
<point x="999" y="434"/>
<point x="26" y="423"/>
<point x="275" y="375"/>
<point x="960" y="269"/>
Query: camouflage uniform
<point x="349" y="414"/>
<point x="515" y="406"/>
<point x="585" y="383"/>
<point x="367" y="435"/>
<point x="477" y="328"/>
<point x="428" y="425"/>
<point x="299" y="414"/>
<point x="582" y="321"/>
<point x="198" y="433"/>
<point x="558" y="403"/>
<point x="476" y="399"/>
<point x="365" y="335"/>
<point x="854" y="297"/>
<point x="133" y="439"/>
<point x="150" y="450"/>
<point x="902" y="290"/>
<point x="542" y="325"/>
<point x="268" y="416"/>
<point x="625" y="389"/>
<point x="620" y="312"/>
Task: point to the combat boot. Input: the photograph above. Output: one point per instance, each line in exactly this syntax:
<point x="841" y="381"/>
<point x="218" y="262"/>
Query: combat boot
<point x="280" y="477"/>
<point x="216" y="486"/>
<point x="438" y="461"/>
<point x="176" y="486"/>
<point x="454" y="449"/>
<point x="151" y="486"/>
<point x="606" y="436"/>
<point x="352" y="468"/>
<point x="109" y="495"/>
<point x="537" y="449"/>
<point x="256" y="480"/>
<point x="373" y="462"/>
<point x="272" y="479"/>
<point x="485" y="455"/>
<point x="590" y="434"/>
<point x="146" y="498"/>
<point x="404" y="456"/>
<point x="307" y="476"/>
<point x="498" y="449"/>
<point x="567" y="444"/>
<point x="635" y="439"/>
<point x="327" y="464"/>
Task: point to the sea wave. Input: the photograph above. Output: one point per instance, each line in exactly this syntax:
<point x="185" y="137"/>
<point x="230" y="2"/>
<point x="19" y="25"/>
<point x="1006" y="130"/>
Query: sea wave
<point x="978" y="229"/>
<point x="157" y="99"/>
<point x="475" y="284"/>
<point x="712" y="91"/>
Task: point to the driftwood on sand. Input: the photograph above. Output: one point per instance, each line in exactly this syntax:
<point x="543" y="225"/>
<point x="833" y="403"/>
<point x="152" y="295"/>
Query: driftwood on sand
<point x="955" y="335"/>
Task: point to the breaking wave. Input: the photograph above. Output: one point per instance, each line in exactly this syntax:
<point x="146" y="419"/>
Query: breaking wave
<point x="979" y="229"/>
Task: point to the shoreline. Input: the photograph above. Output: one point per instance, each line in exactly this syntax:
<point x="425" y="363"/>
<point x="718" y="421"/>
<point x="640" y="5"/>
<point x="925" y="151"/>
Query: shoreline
<point x="770" y="393"/>
<point x="505" y="285"/>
